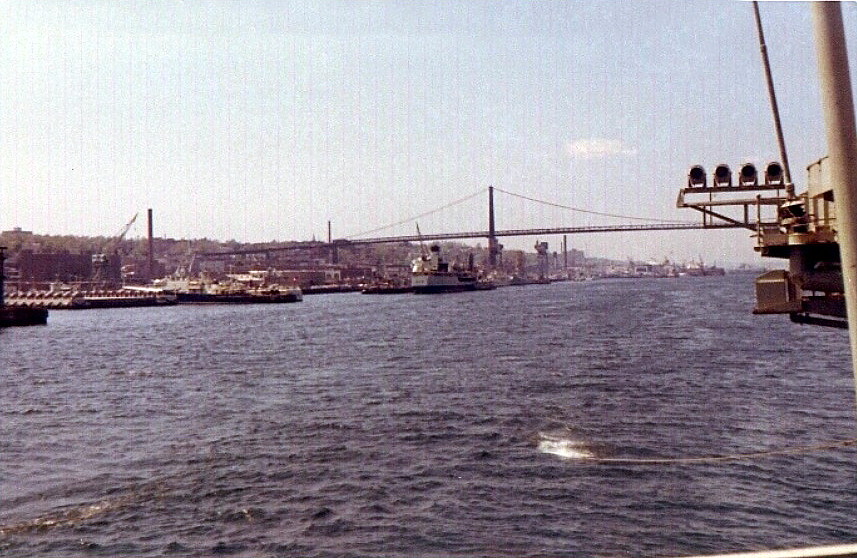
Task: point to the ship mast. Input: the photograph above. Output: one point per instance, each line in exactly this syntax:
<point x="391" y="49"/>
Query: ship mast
<point x="838" y="102"/>
<point x="784" y="157"/>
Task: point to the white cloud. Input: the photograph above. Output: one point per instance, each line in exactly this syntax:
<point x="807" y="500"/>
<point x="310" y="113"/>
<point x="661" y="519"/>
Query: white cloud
<point x="596" y="148"/>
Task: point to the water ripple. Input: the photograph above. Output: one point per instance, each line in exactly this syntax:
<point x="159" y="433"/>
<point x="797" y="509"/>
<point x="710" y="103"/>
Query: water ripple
<point x="352" y="426"/>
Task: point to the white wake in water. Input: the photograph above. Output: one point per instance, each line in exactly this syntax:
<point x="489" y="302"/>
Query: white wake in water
<point x="563" y="447"/>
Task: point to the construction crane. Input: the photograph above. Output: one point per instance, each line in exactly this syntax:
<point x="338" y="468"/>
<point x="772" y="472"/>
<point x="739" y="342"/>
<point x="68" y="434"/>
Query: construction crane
<point x="100" y="260"/>
<point x="423" y="251"/>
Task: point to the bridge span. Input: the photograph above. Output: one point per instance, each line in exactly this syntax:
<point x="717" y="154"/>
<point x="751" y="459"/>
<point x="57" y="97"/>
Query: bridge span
<point x="538" y="232"/>
<point x="346" y="242"/>
<point x="493" y="233"/>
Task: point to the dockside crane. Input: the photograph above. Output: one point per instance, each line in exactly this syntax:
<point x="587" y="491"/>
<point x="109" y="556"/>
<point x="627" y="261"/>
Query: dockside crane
<point x="101" y="259"/>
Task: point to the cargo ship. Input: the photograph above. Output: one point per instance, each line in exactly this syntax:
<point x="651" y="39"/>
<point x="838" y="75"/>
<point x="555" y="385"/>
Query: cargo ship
<point x="430" y="273"/>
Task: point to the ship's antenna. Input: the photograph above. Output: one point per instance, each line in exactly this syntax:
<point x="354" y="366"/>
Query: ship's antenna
<point x="790" y="187"/>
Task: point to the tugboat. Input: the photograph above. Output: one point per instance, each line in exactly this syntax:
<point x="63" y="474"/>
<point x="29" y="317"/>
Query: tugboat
<point x="430" y="273"/>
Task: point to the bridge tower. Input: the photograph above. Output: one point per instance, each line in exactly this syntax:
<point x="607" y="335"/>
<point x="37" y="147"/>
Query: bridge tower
<point x="334" y="253"/>
<point x="493" y="246"/>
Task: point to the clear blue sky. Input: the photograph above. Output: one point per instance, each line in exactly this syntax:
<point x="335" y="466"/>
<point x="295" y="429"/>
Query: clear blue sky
<point x="261" y="120"/>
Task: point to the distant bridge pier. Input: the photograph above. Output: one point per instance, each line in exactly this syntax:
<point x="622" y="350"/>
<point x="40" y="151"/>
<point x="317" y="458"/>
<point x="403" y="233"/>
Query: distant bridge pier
<point x="334" y="252"/>
<point x="493" y="245"/>
<point x="565" y="252"/>
<point x="150" y="256"/>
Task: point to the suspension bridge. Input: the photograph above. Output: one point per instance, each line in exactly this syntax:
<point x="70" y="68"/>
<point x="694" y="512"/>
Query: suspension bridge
<point x="642" y="224"/>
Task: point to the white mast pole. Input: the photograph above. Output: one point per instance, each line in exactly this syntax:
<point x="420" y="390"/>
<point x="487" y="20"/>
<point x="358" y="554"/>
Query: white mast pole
<point x="838" y="102"/>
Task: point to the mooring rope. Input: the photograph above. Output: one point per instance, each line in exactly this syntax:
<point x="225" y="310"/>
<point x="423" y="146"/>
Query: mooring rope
<point x="720" y="458"/>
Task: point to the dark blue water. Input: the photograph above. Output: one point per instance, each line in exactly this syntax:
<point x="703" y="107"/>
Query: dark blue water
<point x="453" y="425"/>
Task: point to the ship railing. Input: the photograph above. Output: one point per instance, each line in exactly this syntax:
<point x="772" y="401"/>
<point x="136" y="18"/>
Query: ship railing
<point x="831" y="551"/>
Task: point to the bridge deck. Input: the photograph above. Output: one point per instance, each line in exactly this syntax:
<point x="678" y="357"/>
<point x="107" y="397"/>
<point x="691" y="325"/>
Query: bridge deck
<point x="341" y="242"/>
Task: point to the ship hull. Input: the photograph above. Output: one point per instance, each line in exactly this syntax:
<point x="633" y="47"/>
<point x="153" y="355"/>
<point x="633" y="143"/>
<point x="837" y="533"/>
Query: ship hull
<point x="22" y="316"/>
<point x="237" y="298"/>
<point x="387" y="289"/>
<point x="436" y="283"/>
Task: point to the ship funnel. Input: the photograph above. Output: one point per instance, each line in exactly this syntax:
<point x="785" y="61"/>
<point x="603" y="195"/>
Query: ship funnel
<point x="722" y="175"/>
<point x="696" y="177"/>
<point x="748" y="176"/>
<point x="774" y="174"/>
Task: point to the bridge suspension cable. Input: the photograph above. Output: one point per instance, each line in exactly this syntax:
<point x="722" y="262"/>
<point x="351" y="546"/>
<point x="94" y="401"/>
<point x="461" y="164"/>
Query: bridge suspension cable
<point x="420" y="216"/>
<point x="587" y="211"/>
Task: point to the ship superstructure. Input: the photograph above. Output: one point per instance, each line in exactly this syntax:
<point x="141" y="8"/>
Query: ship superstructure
<point x="800" y="228"/>
<point x="431" y="273"/>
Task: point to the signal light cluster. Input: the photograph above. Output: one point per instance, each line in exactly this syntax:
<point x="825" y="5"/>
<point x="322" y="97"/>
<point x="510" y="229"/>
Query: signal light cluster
<point x="747" y="176"/>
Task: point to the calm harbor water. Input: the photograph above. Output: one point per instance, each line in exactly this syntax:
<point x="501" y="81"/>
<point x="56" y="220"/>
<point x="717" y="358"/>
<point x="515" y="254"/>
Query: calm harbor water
<point x="454" y="425"/>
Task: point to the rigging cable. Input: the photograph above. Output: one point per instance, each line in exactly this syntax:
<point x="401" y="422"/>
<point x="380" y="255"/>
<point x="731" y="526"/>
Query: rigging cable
<point x="421" y="215"/>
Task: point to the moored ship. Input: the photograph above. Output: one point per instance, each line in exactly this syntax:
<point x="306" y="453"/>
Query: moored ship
<point x="192" y="291"/>
<point x="387" y="287"/>
<point x="430" y="273"/>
